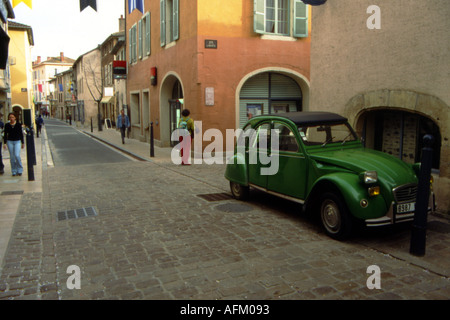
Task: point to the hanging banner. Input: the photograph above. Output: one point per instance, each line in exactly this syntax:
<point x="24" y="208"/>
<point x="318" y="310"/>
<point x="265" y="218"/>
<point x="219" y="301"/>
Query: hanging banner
<point x="27" y="2"/>
<point x="314" y="2"/>
<point x="135" y="4"/>
<point x="86" y="3"/>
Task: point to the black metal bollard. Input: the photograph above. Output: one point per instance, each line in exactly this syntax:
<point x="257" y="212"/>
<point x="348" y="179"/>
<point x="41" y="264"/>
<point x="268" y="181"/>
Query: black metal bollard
<point x="92" y="126"/>
<point x="30" y="158"/>
<point x="419" y="227"/>
<point x="152" y="143"/>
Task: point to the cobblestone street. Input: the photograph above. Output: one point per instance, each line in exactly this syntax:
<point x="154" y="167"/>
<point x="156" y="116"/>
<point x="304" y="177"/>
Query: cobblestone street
<point x="152" y="235"/>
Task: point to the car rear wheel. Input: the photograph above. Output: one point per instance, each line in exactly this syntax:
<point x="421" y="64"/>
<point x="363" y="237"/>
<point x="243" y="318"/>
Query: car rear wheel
<point x="334" y="216"/>
<point x="239" y="191"/>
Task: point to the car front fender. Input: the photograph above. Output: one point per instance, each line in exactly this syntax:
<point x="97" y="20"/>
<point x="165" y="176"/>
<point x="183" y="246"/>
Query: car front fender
<point x="354" y="193"/>
<point x="236" y="170"/>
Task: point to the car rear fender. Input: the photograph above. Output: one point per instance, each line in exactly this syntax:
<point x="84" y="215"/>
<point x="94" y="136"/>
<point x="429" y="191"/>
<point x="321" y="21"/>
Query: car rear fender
<point x="350" y="188"/>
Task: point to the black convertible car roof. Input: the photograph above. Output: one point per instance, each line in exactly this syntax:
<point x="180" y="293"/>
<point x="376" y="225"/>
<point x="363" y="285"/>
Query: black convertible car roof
<point x="308" y="118"/>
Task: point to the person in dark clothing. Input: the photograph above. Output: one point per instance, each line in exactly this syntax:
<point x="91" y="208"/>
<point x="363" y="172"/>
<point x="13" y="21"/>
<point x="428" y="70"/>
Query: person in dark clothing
<point x="13" y="138"/>
<point x="2" y="126"/>
<point x="39" y="124"/>
<point x="123" y="123"/>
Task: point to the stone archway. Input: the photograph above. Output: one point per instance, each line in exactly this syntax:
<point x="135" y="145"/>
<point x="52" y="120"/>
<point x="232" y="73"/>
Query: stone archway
<point x="415" y="102"/>
<point x="17" y="110"/>
<point x="412" y="102"/>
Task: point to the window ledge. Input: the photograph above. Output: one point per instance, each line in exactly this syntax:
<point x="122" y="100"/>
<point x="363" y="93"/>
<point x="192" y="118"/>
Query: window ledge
<point x="170" y="45"/>
<point x="277" y="37"/>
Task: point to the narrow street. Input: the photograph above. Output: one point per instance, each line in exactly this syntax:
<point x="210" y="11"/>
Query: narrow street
<point x="71" y="147"/>
<point x="153" y="230"/>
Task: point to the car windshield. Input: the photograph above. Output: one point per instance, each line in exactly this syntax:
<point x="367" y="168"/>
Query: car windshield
<point x="326" y="133"/>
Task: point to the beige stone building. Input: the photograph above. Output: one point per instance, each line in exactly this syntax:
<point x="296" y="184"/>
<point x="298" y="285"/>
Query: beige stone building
<point x="386" y="66"/>
<point x="88" y="87"/>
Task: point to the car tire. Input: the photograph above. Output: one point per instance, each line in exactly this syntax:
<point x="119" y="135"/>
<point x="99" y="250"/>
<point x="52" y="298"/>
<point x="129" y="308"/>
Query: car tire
<point x="239" y="191"/>
<point x="334" y="216"/>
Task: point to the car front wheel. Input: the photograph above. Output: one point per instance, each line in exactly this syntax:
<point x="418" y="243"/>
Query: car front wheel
<point x="334" y="216"/>
<point x="239" y="191"/>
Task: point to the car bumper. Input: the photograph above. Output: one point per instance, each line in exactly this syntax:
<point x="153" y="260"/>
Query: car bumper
<point x="392" y="217"/>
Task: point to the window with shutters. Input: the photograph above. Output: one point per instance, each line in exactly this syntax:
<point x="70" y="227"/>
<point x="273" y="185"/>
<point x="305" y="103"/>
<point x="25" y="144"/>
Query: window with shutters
<point x="281" y="17"/>
<point x="169" y="21"/>
<point x="144" y="30"/>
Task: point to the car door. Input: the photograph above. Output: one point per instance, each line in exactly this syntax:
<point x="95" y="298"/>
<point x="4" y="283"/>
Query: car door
<point x="259" y="148"/>
<point x="291" y="177"/>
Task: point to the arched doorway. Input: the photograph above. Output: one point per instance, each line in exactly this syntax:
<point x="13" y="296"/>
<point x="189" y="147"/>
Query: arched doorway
<point x="399" y="133"/>
<point x="269" y="92"/>
<point x="175" y="107"/>
<point x="171" y="104"/>
<point x="17" y="110"/>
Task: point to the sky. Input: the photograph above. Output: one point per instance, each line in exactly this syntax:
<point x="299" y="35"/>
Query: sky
<point x="59" y="26"/>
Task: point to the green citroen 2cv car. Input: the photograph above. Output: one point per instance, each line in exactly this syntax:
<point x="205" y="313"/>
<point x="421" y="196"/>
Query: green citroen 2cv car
<point x="316" y="159"/>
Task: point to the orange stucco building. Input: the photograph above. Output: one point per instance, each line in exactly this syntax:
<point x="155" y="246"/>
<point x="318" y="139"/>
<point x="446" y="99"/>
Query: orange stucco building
<point x="222" y="60"/>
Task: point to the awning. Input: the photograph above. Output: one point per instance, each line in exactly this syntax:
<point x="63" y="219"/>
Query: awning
<point x="4" y="44"/>
<point x="107" y="99"/>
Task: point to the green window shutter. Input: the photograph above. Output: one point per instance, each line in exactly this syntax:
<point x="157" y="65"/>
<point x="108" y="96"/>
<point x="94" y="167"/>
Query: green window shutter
<point x="259" y="17"/>
<point x="132" y="34"/>
<point x="301" y="19"/>
<point x="141" y="39"/>
<point x="162" y="11"/>
<point x="130" y="44"/>
<point x="176" y="20"/>
<point x="147" y="34"/>
<point x="134" y="43"/>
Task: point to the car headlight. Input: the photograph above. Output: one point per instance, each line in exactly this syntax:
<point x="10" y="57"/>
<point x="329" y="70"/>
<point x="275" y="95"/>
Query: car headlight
<point x="369" y="177"/>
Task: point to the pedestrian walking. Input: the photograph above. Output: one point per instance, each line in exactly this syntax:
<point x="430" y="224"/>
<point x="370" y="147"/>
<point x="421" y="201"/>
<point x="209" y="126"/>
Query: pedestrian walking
<point x="39" y="124"/>
<point x="186" y="123"/>
<point x="2" y="126"/>
<point x="123" y="122"/>
<point x="13" y="138"/>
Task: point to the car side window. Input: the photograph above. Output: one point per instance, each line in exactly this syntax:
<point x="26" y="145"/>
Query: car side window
<point x="263" y="138"/>
<point x="288" y="141"/>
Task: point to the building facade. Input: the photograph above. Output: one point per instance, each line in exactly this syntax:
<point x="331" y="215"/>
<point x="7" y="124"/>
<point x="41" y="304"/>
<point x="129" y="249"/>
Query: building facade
<point x="6" y="12"/>
<point x="62" y="96"/>
<point x="21" y="68"/>
<point x="385" y="65"/>
<point x="223" y="60"/>
<point x="43" y="72"/>
<point x="111" y="50"/>
<point x="88" y="89"/>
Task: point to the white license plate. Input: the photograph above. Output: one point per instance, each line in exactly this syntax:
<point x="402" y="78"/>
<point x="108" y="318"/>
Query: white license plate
<point x="406" y="207"/>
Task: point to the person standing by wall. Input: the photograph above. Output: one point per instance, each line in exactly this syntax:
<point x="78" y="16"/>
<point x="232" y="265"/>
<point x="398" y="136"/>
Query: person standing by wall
<point x="187" y="125"/>
<point x="123" y="123"/>
<point x="13" y="138"/>
<point x="2" y="126"/>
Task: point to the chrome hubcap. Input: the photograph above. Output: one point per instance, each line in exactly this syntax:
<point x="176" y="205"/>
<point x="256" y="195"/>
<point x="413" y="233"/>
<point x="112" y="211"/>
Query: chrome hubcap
<point x="331" y="216"/>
